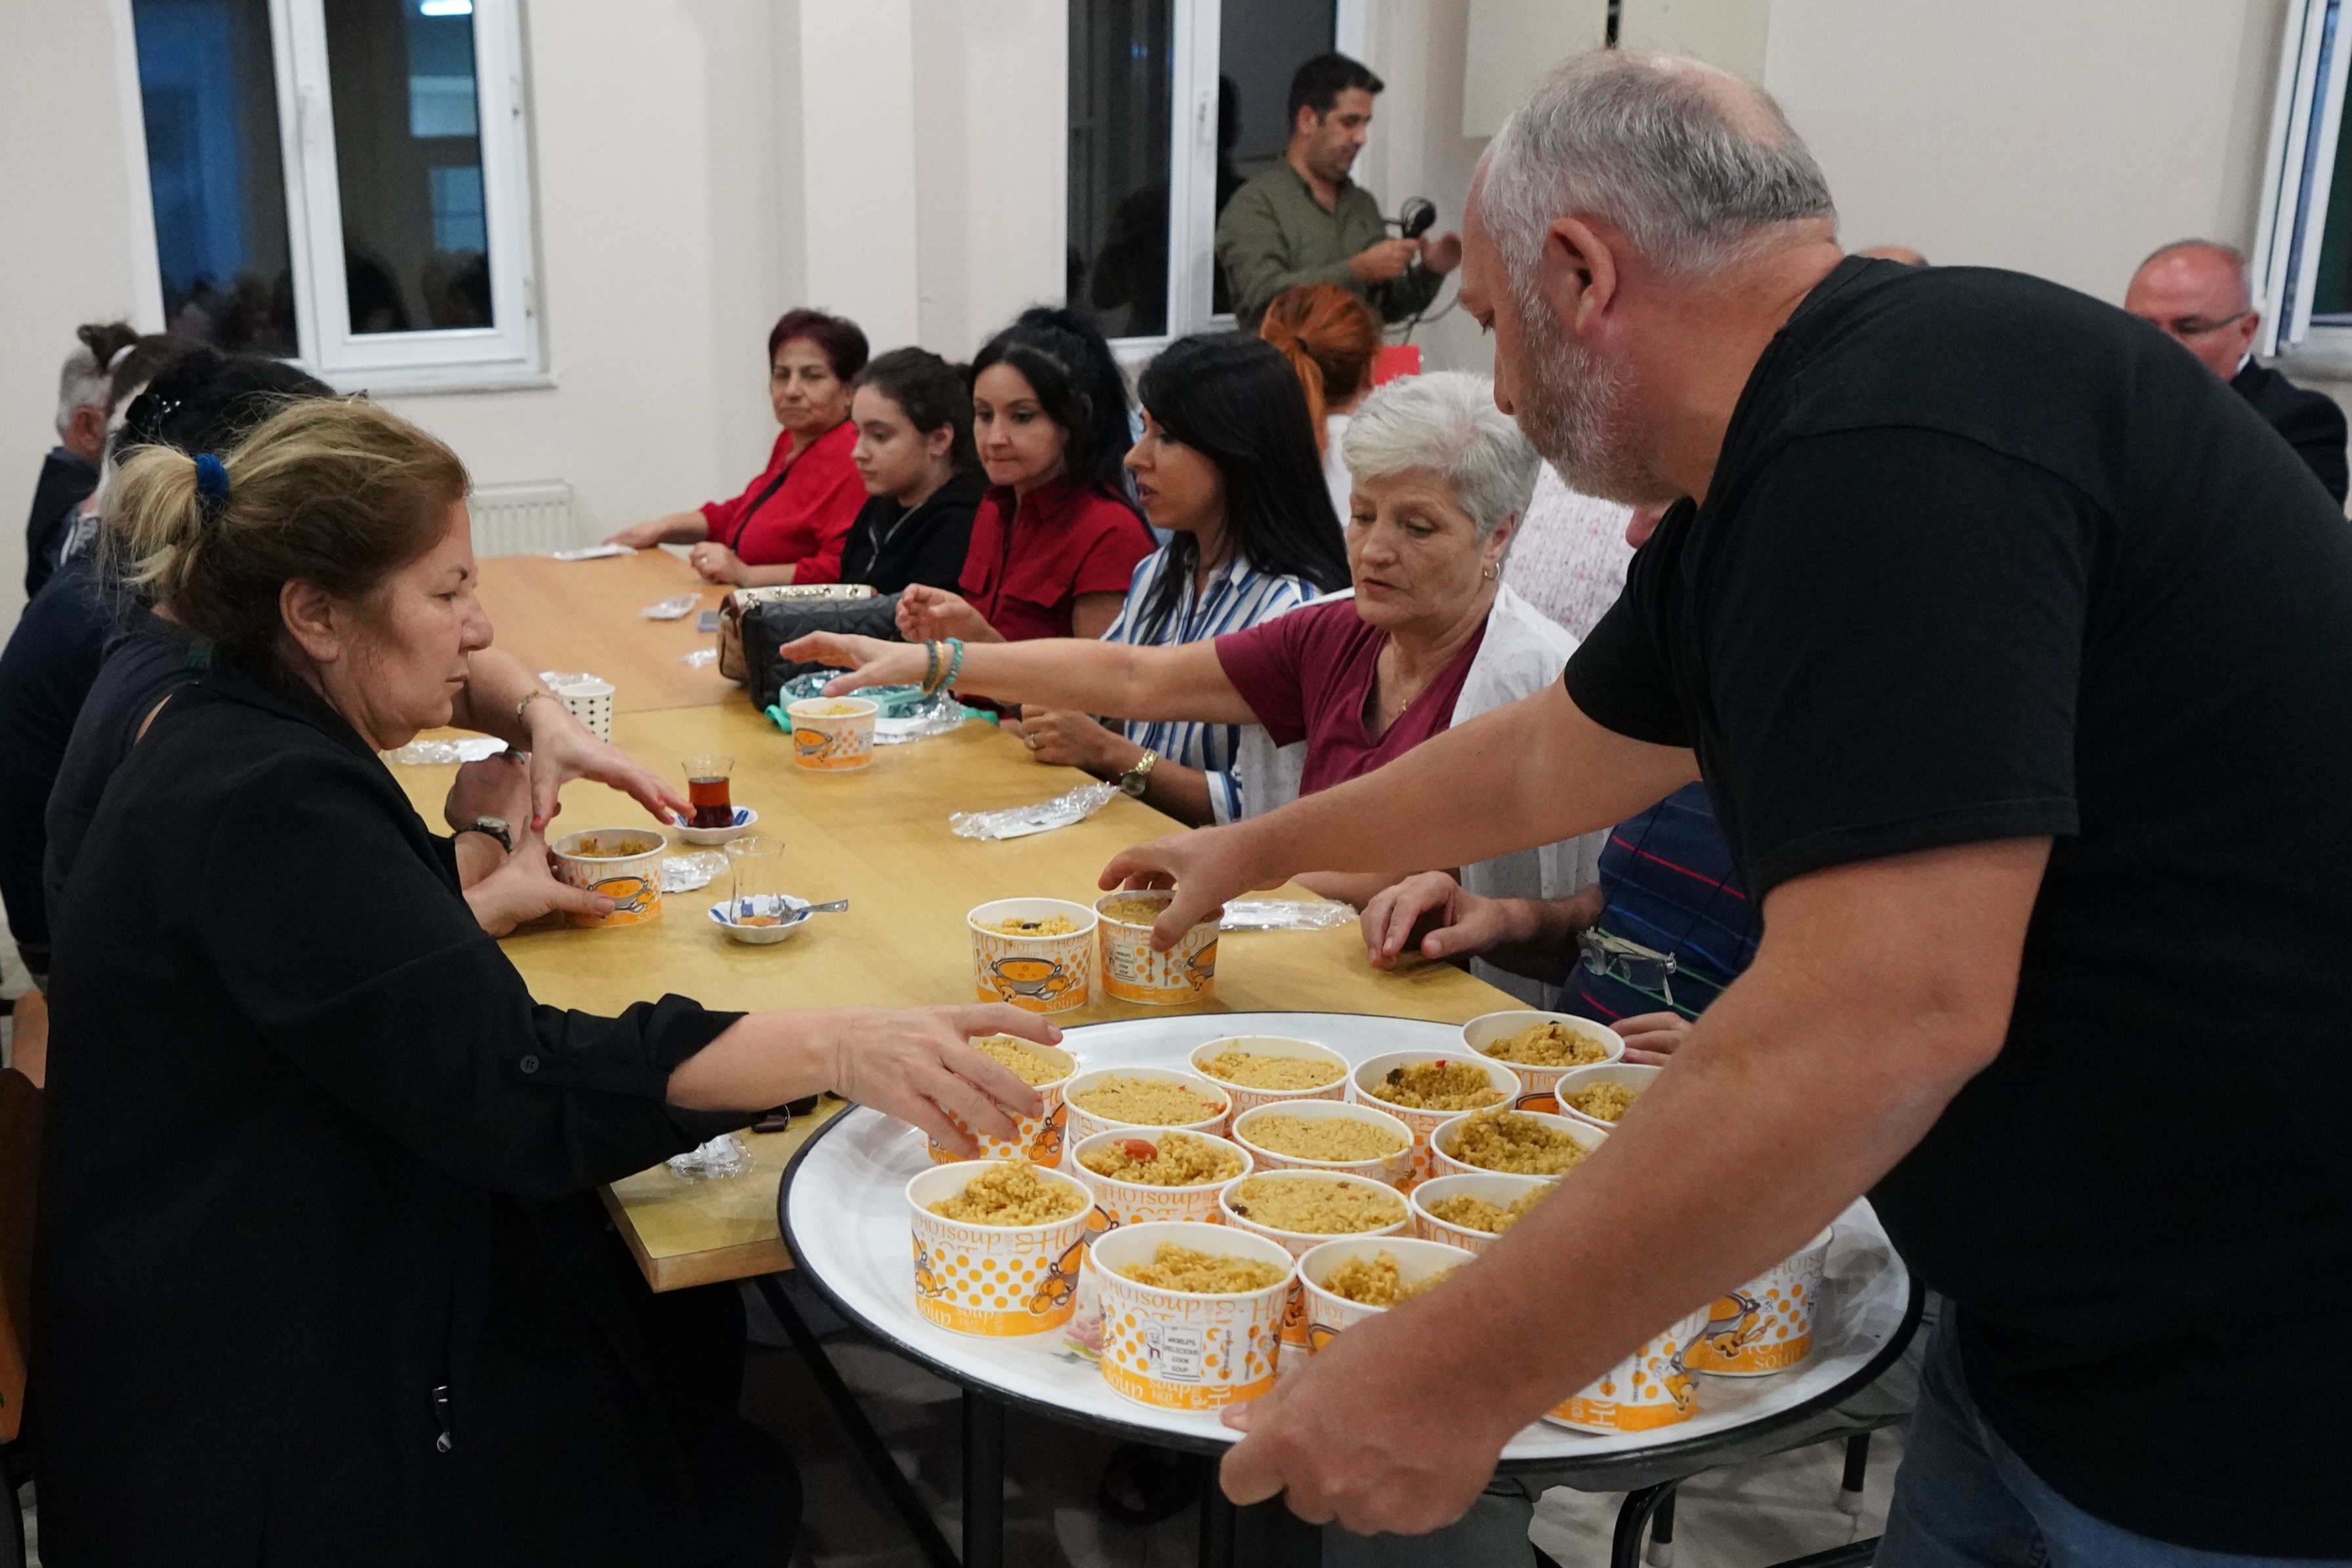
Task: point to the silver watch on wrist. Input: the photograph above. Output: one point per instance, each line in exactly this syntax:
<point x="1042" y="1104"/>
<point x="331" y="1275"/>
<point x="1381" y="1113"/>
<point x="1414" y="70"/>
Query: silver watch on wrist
<point x="498" y="828"/>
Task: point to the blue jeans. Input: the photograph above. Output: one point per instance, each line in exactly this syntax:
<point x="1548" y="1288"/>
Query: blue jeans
<point x="1964" y="1500"/>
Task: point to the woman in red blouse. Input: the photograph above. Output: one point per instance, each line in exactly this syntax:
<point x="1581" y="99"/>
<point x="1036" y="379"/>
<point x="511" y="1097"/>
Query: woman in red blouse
<point x="789" y="524"/>
<point x="1055" y="540"/>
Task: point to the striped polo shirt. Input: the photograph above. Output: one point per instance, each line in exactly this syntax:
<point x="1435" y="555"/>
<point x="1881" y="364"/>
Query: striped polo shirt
<point x="1238" y="596"/>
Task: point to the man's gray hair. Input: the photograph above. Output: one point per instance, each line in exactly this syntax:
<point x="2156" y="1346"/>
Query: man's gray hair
<point x="1694" y="167"/>
<point x="82" y="383"/>
<point x="2228" y="253"/>
<point x="1446" y="423"/>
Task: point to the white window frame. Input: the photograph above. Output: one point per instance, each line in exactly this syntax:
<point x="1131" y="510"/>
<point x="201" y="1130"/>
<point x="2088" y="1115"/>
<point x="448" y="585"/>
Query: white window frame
<point x="466" y="359"/>
<point x="2306" y="115"/>
<point x="1198" y="29"/>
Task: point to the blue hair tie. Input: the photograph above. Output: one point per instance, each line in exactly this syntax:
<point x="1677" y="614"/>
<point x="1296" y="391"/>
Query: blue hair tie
<point x="212" y="483"/>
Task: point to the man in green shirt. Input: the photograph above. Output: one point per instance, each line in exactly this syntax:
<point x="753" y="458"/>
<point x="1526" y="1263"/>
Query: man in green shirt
<point x="1305" y="221"/>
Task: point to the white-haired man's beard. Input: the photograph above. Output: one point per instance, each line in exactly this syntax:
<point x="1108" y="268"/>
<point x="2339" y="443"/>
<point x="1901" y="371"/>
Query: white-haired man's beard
<point x="1572" y="410"/>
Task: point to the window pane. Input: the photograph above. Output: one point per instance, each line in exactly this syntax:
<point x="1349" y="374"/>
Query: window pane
<point x="1119" y="66"/>
<point x="408" y="157"/>
<point x="2331" y="284"/>
<point x="210" y="96"/>
<point x="1260" y="44"/>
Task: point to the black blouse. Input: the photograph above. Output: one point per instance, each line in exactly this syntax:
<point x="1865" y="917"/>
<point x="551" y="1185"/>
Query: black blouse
<point x="893" y="547"/>
<point x="321" y="1274"/>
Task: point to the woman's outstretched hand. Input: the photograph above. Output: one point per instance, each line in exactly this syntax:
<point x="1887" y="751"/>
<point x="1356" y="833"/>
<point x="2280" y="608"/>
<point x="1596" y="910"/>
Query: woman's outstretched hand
<point x="917" y="1064"/>
<point x="869" y="661"/>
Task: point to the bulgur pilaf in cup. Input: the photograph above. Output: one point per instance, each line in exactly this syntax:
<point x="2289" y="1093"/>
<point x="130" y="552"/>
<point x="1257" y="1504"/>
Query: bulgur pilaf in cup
<point x="1445" y="1085"/>
<point x="1266" y="1069"/>
<point x="1132" y="971"/>
<point x="1037" y="953"/>
<point x="1599" y="1095"/>
<point x="1139" y="1175"/>
<point x="1144" y="1097"/>
<point x="1471" y="1211"/>
<point x="1539" y="1047"/>
<point x="1191" y="1348"/>
<point x="1344" y="1282"/>
<point x="1653" y="1387"/>
<point x="1036" y="1139"/>
<point x="1515" y="1142"/>
<point x="1004" y="1258"/>
<point x="1328" y="1135"/>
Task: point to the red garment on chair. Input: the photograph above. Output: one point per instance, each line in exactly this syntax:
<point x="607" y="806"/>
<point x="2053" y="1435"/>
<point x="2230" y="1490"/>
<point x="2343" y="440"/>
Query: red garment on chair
<point x="805" y="521"/>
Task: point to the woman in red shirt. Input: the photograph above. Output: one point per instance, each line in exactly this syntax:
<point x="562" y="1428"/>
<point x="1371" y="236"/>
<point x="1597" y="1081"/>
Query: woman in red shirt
<point x="1056" y="540"/>
<point x="789" y="524"/>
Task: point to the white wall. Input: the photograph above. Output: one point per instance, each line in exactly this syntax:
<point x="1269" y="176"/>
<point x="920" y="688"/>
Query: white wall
<point x="65" y="195"/>
<point x="992" y="93"/>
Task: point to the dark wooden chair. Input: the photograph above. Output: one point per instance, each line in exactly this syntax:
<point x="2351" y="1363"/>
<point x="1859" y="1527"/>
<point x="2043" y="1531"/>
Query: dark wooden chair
<point x="20" y="1158"/>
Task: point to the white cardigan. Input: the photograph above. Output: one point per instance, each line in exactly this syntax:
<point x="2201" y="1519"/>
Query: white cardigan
<point x="1521" y="653"/>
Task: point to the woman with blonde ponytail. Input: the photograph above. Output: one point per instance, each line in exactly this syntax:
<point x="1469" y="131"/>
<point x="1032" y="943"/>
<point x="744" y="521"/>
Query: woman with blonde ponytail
<point x="1330" y="338"/>
<point x="322" y="1277"/>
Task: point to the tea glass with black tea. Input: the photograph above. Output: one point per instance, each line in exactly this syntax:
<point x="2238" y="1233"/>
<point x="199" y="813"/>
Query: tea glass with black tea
<point x="707" y="791"/>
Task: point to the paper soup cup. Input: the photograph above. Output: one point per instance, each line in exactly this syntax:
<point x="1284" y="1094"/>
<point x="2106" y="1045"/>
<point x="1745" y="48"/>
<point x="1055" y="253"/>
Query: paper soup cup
<point x="1299" y="1243"/>
<point x="1131" y="972"/>
<point x="1328" y="1316"/>
<point x="1394" y="1170"/>
<point x="1084" y="1123"/>
<point x="622" y="863"/>
<point x="1036" y="973"/>
<point x="1496" y="1187"/>
<point x="1649" y="1389"/>
<point x="1482" y="1032"/>
<point x="1036" y="1139"/>
<point x="1441" y="1143"/>
<point x="1631" y="1075"/>
<point x="1423" y="1122"/>
<point x="994" y="1280"/>
<point x="1118" y="1202"/>
<point x="1179" y="1351"/>
<point x="1244" y="1097"/>
<point x="1766" y="1325"/>
<point x="833" y="734"/>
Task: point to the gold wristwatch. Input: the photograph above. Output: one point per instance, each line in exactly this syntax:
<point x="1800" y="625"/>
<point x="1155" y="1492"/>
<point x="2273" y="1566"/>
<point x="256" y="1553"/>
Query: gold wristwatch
<point x="1132" y="781"/>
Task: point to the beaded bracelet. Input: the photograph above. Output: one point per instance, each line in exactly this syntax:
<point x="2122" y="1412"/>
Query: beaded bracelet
<point x="955" y="665"/>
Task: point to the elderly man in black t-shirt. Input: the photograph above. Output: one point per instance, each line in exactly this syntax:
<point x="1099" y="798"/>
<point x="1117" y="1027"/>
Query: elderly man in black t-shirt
<point x="2009" y="643"/>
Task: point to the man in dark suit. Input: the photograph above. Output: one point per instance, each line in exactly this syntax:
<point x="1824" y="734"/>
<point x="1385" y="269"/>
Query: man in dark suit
<point x="2198" y="292"/>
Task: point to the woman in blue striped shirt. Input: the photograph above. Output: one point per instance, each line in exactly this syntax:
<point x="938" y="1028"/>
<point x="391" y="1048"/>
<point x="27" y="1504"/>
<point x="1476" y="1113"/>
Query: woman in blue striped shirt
<point x="1227" y="464"/>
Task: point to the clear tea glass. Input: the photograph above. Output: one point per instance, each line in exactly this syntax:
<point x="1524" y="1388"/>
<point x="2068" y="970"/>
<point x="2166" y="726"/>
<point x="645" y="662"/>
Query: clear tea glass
<point x="706" y="791"/>
<point x="758" y="866"/>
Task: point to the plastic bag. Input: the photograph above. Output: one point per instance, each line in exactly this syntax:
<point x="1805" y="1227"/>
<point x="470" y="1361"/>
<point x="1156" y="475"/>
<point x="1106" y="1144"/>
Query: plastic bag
<point x="725" y="1155"/>
<point x="1284" y="915"/>
<point x="699" y="657"/>
<point x="435" y="753"/>
<point x="676" y="607"/>
<point x="905" y="715"/>
<point x="683" y="873"/>
<point x="1020" y="821"/>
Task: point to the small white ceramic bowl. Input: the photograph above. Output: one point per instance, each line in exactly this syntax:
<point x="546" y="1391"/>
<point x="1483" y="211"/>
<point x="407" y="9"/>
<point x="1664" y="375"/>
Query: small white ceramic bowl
<point x="790" y="914"/>
<point x="745" y="820"/>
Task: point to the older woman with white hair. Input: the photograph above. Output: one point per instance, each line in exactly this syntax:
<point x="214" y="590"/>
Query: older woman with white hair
<point x="1430" y="636"/>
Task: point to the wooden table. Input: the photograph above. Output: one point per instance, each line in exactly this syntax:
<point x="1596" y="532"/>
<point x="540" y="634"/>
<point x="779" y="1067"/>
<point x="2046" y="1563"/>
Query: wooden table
<point x="879" y="838"/>
<point x="583" y="616"/>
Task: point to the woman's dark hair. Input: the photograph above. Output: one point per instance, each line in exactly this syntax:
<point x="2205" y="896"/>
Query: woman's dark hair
<point x="1067" y="365"/>
<point x="1232" y="398"/>
<point x="836" y="337"/>
<point x="202" y="400"/>
<point x="931" y="393"/>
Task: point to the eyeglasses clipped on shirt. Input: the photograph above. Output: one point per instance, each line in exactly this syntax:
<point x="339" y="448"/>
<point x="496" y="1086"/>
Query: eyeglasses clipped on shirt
<point x="1614" y="958"/>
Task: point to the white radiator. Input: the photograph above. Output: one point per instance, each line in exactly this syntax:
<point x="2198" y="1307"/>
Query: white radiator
<point x="523" y="520"/>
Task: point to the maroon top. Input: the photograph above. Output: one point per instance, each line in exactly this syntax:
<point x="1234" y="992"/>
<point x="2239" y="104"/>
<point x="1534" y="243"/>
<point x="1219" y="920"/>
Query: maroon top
<point x="1028" y="566"/>
<point x="1307" y="675"/>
